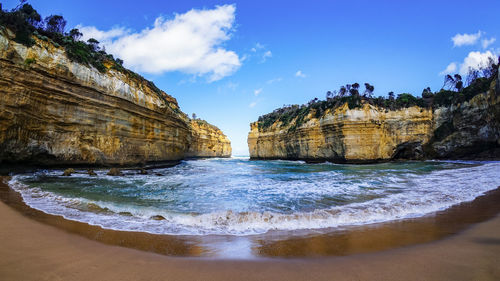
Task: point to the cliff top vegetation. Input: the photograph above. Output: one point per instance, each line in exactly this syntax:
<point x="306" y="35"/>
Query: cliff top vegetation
<point x="201" y="122"/>
<point x="27" y="24"/>
<point x="455" y="90"/>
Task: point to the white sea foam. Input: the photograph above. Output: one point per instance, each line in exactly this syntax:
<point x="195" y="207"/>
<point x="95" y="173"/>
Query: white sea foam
<point x="405" y="194"/>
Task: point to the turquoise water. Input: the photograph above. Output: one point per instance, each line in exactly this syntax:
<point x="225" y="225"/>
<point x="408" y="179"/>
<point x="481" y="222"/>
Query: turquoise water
<point x="241" y="197"/>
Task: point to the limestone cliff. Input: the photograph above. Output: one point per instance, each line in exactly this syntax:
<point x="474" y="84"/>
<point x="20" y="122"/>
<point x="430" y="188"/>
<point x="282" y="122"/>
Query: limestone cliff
<point x="468" y="128"/>
<point x="343" y="134"/>
<point x="208" y="141"/>
<point x="55" y="111"/>
<point x="370" y="133"/>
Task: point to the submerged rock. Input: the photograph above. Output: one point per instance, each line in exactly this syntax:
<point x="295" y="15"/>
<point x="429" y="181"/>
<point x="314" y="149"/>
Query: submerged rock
<point x="158" y="218"/>
<point x="68" y="172"/>
<point x="143" y="172"/>
<point x="91" y="172"/>
<point x="115" y="172"/>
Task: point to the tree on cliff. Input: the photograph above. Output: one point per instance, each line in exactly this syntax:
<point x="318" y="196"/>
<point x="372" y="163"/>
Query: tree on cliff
<point x="94" y="44"/>
<point x="75" y="34"/>
<point x="32" y="16"/>
<point x="368" y="90"/>
<point x="427" y="93"/>
<point x="453" y="82"/>
<point x="22" y="20"/>
<point x="354" y="89"/>
<point x="55" y="24"/>
<point x="459" y="85"/>
<point x="342" y="91"/>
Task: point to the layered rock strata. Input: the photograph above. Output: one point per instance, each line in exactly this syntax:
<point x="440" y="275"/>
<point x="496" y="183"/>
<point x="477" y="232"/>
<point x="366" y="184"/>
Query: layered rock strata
<point x="208" y="141"/>
<point x="370" y="134"/>
<point x="55" y="111"/>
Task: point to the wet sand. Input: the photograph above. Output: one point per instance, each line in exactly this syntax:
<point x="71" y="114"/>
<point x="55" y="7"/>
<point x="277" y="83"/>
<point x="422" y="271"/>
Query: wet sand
<point x="31" y="249"/>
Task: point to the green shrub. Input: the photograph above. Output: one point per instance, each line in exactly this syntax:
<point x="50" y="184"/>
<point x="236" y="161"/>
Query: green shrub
<point x="29" y="61"/>
<point x="294" y="115"/>
<point x="26" y="23"/>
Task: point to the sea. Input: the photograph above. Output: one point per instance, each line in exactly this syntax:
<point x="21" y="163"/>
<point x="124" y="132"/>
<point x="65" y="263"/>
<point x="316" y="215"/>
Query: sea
<point x="240" y="197"/>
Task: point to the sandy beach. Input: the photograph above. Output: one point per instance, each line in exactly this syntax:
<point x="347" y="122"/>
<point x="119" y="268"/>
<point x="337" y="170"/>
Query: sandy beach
<point x="32" y="250"/>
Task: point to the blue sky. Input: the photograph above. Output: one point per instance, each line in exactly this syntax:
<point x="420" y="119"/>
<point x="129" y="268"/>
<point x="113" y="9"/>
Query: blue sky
<point x="231" y="61"/>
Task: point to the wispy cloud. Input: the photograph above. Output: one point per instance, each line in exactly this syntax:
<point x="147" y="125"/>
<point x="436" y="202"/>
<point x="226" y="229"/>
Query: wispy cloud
<point x="259" y="51"/>
<point x="252" y="104"/>
<point x="257" y="47"/>
<point x="191" y="43"/>
<point x="257" y="91"/>
<point x="487" y="42"/>
<point x="274" y="80"/>
<point x="266" y="55"/>
<point x="300" y="74"/>
<point x="466" y="39"/>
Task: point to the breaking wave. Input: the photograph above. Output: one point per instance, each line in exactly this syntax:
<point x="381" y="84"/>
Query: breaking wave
<point x="241" y="197"/>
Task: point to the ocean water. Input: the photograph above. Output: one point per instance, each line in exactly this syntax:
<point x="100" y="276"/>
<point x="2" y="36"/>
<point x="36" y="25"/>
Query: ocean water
<point x="236" y="196"/>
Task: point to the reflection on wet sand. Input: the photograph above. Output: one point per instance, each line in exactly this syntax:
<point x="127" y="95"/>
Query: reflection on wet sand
<point x="377" y="237"/>
<point x="332" y="242"/>
<point x="161" y="244"/>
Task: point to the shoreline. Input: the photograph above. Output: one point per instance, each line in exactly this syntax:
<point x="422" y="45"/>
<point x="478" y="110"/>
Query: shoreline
<point x="298" y="244"/>
<point x="31" y="250"/>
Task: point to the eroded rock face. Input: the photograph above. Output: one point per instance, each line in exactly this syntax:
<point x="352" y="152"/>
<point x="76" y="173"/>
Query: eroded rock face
<point x="370" y="134"/>
<point x="467" y="128"/>
<point x="350" y="135"/>
<point x="208" y="141"/>
<point x="54" y="111"/>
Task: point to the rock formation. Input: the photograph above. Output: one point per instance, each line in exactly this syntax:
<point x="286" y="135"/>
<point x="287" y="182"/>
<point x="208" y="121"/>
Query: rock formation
<point x="208" y="141"/>
<point x="55" y="111"/>
<point x="370" y="133"/>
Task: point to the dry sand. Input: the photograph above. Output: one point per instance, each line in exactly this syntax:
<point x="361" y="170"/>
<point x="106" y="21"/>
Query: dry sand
<point x="31" y="250"/>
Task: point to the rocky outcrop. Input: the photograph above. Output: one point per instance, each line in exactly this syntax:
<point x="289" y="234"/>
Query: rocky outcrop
<point x="468" y="128"/>
<point x="370" y="134"/>
<point x="208" y="141"/>
<point x="343" y="134"/>
<point x="55" y="111"/>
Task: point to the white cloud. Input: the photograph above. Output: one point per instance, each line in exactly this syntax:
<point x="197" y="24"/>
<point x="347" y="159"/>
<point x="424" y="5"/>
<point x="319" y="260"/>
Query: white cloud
<point x="253" y="104"/>
<point x="190" y="43"/>
<point x="104" y="37"/>
<point x="259" y="51"/>
<point x="258" y="46"/>
<point x="466" y="39"/>
<point x="274" y="80"/>
<point x="475" y="60"/>
<point x="487" y="42"/>
<point x="266" y="55"/>
<point x="451" y="68"/>
<point x="300" y="74"/>
<point x="257" y="92"/>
